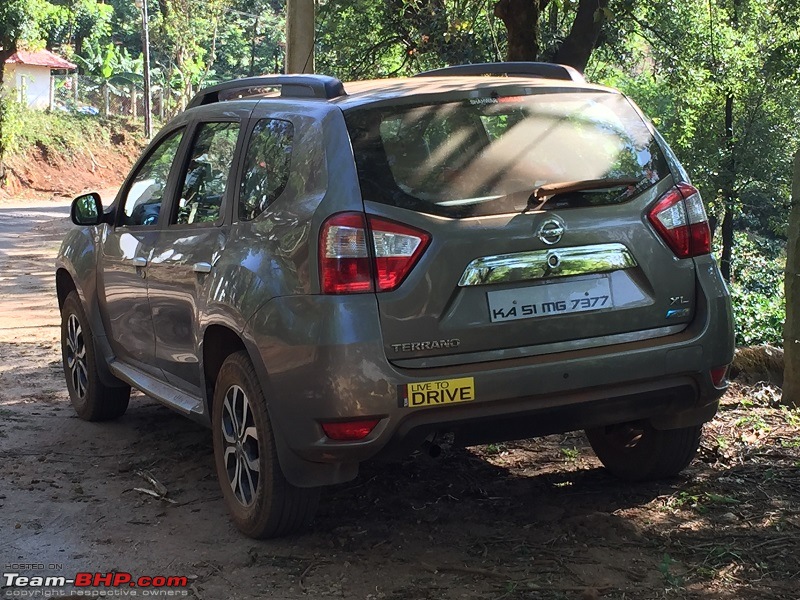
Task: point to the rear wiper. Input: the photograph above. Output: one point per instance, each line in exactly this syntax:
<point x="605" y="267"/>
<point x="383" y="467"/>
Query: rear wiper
<point x="547" y="191"/>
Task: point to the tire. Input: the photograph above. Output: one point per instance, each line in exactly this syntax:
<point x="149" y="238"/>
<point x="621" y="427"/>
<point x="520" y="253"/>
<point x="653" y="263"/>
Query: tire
<point x="638" y="452"/>
<point x="261" y="502"/>
<point x="90" y="397"/>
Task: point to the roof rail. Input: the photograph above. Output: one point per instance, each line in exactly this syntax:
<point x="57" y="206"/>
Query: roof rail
<point x="292" y="86"/>
<point x="511" y="69"/>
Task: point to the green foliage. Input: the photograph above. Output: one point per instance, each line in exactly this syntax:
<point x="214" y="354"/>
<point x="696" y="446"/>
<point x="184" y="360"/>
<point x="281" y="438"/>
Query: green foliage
<point x="184" y="37"/>
<point x="99" y="61"/>
<point x="571" y="454"/>
<point x="18" y="22"/>
<point x="665" y="568"/>
<point x="358" y="40"/>
<point x="757" y="290"/>
<point x="680" y="61"/>
<point x="791" y="416"/>
<point x="67" y="134"/>
<point x="109" y="63"/>
<point x="699" y="501"/>
<point x="251" y="39"/>
<point x="72" y="23"/>
<point x="5" y="130"/>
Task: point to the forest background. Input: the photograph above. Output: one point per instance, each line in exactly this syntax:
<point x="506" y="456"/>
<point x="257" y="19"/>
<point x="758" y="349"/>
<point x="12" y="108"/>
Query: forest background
<point x="719" y="78"/>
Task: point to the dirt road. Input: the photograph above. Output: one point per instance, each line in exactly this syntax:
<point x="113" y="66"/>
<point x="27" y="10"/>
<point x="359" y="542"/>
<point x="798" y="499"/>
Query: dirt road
<point x="523" y="520"/>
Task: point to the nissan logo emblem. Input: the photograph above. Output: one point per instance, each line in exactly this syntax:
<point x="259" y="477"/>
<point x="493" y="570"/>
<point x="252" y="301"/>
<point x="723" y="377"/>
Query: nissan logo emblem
<point x="551" y="231"/>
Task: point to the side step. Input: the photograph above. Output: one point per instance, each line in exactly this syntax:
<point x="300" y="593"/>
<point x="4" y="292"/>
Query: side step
<point x="186" y="404"/>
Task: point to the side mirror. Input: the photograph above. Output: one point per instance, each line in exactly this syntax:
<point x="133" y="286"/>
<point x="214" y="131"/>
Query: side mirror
<point x="87" y="209"/>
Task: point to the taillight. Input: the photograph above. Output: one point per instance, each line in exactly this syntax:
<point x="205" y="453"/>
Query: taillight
<point x="349" y="430"/>
<point x="397" y="249"/>
<point x="346" y="263"/>
<point x="718" y="376"/>
<point x="680" y="218"/>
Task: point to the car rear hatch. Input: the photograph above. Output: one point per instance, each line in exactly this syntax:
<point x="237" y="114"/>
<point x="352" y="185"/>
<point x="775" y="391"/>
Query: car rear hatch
<point x="544" y="223"/>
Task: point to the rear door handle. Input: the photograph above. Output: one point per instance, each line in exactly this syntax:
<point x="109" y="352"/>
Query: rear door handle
<point x="202" y="267"/>
<point x="139" y="261"/>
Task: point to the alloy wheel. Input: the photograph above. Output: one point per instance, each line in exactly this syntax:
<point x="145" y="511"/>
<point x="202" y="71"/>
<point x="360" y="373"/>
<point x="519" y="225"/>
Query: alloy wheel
<point x="240" y="454"/>
<point x="76" y="356"/>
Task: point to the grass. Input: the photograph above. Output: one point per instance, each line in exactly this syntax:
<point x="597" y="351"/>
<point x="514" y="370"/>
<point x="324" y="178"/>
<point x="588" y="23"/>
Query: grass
<point x="665" y="567"/>
<point x="791" y="416"/>
<point x="67" y="134"/>
<point x="754" y="423"/>
<point x="700" y="501"/>
<point x="496" y="449"/>
<point x="571" y="454"/>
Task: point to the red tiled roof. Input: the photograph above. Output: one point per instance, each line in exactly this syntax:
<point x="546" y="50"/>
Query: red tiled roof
<point x="41" y="58"/>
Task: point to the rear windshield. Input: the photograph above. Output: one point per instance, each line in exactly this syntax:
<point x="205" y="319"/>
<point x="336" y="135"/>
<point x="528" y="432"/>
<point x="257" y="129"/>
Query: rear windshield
<point x="485" y="156"/>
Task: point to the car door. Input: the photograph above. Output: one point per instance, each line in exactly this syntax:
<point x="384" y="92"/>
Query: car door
<point x="181" y="265"/>
<point x="126" y="251"/>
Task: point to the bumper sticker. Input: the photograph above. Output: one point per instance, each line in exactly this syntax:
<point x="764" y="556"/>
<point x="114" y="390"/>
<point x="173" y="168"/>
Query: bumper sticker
<point x="434" y="393"/>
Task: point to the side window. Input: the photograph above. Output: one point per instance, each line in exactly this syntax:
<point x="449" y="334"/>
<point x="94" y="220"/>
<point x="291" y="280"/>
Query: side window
<point x="266" y="166"/>
<point x="143" y="200"/>
<point x="206" y="175"/>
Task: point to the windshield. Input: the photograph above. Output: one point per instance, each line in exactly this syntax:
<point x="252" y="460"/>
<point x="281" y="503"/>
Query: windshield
<point x="487" y="155"/>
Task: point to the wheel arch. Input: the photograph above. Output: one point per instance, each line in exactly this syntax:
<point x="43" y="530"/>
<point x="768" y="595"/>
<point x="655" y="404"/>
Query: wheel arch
<point x="64" y="285"/>
<point x="220" y="341"/>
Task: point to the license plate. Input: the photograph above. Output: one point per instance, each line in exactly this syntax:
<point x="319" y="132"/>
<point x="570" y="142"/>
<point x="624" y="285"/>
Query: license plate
<point x="435" y="393"/>
<point x="550" y="299"/>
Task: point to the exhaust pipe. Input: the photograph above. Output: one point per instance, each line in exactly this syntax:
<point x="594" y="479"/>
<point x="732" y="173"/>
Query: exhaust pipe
<point x="432" y="449"/>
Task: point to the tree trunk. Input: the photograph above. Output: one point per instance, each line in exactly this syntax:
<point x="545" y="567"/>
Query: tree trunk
<point x="5" y="53"/>
<point x="78" y="45"/>
<point x="791" y="327"/>
<point x="300" y="36"/>
<point x="582" y="39"/>
<point x="727" y="187"/>
<point x="521" y="18"/>
<point x="252" y="70"/>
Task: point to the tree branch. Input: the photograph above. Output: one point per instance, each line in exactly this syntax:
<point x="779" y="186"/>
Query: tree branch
<point x="582" y="38"/>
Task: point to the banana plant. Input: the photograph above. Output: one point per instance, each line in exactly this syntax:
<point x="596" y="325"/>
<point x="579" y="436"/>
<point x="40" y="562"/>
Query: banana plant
<point x="112" y="67"/>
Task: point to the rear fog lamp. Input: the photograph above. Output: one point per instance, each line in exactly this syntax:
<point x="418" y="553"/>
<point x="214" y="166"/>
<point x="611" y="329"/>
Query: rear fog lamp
<point x="718" y="375"/>
<point x="349" y="431"/>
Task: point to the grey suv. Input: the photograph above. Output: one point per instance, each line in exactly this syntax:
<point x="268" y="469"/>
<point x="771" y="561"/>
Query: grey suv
<point x="327" y="273"/>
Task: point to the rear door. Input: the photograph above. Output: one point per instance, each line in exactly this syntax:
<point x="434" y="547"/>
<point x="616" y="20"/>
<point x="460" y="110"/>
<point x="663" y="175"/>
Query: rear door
<point x="507" y="274"/>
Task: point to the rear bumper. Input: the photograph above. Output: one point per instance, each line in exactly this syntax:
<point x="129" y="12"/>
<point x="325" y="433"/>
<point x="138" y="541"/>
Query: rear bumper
<point x="333" y="367"/>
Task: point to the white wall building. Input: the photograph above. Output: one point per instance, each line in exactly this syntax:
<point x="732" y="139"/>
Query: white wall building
<point x="26" y="77"/>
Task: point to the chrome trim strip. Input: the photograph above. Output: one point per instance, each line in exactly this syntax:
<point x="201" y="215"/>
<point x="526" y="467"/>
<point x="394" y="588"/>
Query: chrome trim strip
<point x="488" y="356"/>
<point x="544" y="264"/>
